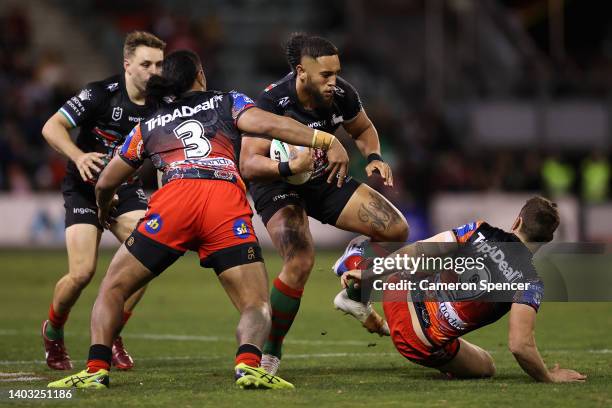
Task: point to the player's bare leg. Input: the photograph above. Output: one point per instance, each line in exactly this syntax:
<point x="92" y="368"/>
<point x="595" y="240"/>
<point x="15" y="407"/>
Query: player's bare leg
<point x="291" y="236"/>
<point x="470" y="362"/>
<point x="122" y="228"/>
<point x="371" y="214"/>
<point x="82" y="242"/>
<point x="247" y="287"/>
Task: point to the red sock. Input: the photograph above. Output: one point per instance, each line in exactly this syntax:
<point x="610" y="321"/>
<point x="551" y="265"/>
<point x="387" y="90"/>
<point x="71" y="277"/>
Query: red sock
<point x="95" y="365"/>
<point x="126" y="317"/>
<point x="249" y="355"/>
<point x="57" y="320"/>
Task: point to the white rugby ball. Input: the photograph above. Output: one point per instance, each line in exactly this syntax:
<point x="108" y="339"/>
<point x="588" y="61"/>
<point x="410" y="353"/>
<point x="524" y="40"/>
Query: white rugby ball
<point x="281" y="151"/>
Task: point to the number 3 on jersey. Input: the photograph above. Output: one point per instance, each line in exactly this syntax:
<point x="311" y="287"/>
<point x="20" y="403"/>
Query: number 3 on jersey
<point x="191" y="134"/>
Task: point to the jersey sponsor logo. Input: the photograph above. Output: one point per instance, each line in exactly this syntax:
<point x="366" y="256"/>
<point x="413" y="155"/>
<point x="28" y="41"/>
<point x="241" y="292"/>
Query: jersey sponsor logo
<point x="117" y="113"/>
<point x="84" y="95"/>
<point x="318" y="124"/>
<point x="135" y="118"/>
<point x="183" y="112"/>
<point x="83" y="211"/>
<point x="448" y="313"/>
<point x="498" y="257"/>
<point x="241" y="230"/>
<point x="112" y="87"/>
<point x="285" y="196"/>
<point x="282" y="102"/>
<point x="337" y="119"/>
<point x="154" y="224"/>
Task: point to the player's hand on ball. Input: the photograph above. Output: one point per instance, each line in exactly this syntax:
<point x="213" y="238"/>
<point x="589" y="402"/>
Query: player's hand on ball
<point x="338" y="162"/>
<point x="383" y="169"/>
<point x="104" y="213"/>
<point x="566" y="375"/>
<point x="301" y="160"/>
<point x="347" y="276"/>
<point x="89" y="164"/>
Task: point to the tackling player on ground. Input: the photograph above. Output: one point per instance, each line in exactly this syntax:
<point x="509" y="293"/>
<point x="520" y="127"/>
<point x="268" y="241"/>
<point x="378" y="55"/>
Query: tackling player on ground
<point x="105" y="111"/>
<point x="428" y="332"/>
<point x="314" y="94"/>
<point x="194" y="140"/>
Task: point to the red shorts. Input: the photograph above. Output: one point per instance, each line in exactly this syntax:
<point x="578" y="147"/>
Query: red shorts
<point x="408" y="336"/>
<point x="206" y="216"/>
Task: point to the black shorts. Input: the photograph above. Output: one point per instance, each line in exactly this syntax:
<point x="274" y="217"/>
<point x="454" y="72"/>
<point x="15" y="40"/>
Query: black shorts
<point x="322" y="200"/>
<point x="80" y="201"/>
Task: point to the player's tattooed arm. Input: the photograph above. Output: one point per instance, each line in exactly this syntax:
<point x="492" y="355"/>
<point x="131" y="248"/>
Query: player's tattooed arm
<point x="378" y="213"/>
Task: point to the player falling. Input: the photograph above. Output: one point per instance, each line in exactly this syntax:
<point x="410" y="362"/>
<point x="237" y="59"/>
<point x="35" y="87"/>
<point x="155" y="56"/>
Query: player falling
<point x="314" y="94"/>
<point x="105" y="111"/>
<point x="193" y="138"/>
<point x="428" y="332"/>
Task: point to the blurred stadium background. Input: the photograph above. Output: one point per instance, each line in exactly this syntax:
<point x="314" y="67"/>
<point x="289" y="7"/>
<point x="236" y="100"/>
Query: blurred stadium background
<point x="478" y="103"/>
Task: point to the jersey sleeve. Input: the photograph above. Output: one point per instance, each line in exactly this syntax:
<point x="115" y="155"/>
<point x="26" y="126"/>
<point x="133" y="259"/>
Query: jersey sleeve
<point x="532" y="296"/>
<point x="351" y="103"/>
<point x="132" y="151"/>
<point x="240" y="104"/>
<point x="87" y="104"/>
<point x="267" y="102"/>
<point x="465" y="232"/>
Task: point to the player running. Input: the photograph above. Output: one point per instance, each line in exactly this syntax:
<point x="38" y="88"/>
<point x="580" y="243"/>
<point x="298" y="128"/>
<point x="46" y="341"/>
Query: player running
<point x="194" y="140"/>
<point x="428" y="332"/>
<point x="105" y="111"/>
<point x="314" y="94"/>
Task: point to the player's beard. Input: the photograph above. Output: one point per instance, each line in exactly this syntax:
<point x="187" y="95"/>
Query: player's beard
<point x="319" y="101"/>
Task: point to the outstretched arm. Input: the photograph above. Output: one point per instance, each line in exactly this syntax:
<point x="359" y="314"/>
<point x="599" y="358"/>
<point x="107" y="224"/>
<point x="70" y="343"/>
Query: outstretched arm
<point x="521" y="341"/>
<point x="111" y="178"/>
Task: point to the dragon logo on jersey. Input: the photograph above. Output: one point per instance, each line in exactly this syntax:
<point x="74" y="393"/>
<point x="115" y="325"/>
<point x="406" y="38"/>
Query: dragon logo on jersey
<point x="85" y="95"/>
<point x="117" y="113"/>
<point x="241" y="230"/>
<point x="154" y="224"/>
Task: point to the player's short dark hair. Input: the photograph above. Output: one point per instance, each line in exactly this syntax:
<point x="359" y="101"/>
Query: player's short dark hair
<point x="137" y="39"/>
<point x="540" y="219"/>
<point x="303" y="45"/>
<point x="179" y="72"/>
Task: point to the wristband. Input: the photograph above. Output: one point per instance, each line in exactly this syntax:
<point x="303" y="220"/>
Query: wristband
<point x="284" y="170"/>
<point x="374" y="156"/>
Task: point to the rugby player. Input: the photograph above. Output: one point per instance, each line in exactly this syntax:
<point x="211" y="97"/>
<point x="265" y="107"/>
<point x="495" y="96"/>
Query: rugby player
<point x="194" y="139"/>
<point x="428" y="332"/>
<point x="105" y="111"/>
<point x="314" y="94"/>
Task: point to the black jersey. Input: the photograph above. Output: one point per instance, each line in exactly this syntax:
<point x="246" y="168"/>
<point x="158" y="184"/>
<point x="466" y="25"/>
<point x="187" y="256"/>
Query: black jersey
<point x="105" y="115"/>
<point x="193" y="137"/>
<point x="281" y="98"/>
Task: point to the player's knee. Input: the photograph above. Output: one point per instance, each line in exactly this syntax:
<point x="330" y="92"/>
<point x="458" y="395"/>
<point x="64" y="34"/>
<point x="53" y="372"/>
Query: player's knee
<point x="397" y="232"/>
<point x="81" y="274"/>
<point x="488" y="369"/>
<point x="300" y="265"/>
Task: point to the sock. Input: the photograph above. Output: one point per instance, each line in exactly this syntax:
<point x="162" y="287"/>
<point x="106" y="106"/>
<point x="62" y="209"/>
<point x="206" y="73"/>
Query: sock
<point x="55" y="328"/>
<point x="285" y="302"/>
<point x="248" y="354"/>
<point x="353" y="292"/>
<point x="124" y="320"/>
<point x="99" y="358"/>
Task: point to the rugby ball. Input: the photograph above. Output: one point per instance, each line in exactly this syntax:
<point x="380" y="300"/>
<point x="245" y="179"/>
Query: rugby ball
<point x="281" y="151"/>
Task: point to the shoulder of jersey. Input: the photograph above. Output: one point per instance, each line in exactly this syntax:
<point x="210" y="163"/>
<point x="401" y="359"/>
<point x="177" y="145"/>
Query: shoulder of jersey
<point x="342" y="86"/>
<point x="110" y="85"/>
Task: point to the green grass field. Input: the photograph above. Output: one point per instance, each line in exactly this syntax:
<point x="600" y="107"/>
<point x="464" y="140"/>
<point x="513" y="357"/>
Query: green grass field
<point x="181" y="337"/>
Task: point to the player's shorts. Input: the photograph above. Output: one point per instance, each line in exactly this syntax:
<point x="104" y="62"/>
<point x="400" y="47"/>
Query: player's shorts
<point x="210" y="217"/>
<point x="322" y="200"/>
<point x="408" y="336"/>
<point x="80" y="201"/>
